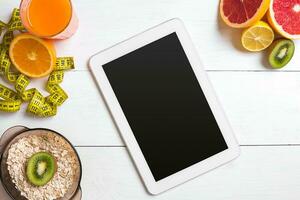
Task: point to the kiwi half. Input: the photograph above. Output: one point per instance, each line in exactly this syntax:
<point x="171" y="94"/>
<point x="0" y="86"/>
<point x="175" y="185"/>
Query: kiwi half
<point x="282" y="51"/>
<point x="41" y="168"/>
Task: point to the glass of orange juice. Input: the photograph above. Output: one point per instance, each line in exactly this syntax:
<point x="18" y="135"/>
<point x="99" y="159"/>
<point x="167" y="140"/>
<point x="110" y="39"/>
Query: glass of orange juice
<point x="51" y="19"/>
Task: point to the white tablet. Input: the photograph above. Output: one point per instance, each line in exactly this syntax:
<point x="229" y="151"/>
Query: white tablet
<point x="164" y="106"/>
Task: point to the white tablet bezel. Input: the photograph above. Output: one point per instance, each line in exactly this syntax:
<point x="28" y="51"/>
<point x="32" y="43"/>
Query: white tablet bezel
<point x="138" y="41"/>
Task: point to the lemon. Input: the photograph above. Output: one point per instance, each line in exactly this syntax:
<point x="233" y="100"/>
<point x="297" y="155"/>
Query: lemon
<point x="257" y="37"/>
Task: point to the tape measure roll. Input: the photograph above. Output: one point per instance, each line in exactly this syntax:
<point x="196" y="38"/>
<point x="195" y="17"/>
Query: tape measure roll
<point x="10" y="100"/>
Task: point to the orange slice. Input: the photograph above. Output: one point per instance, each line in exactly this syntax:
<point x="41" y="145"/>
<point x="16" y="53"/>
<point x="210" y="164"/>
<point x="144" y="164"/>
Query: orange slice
<point x="243" y="13"/>
<point x="32" y="56"/>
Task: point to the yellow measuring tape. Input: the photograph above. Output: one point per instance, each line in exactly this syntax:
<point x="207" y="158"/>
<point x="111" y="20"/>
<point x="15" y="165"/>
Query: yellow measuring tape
<point x="2" y="26"/>
<point x="10" y="100"/>
<point x="15" y="22"/>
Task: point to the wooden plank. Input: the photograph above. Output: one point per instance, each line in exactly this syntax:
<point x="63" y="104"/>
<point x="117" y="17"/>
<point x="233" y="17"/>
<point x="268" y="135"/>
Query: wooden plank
<point x="269" y="173"/>
<point x="104" y="23"/>
<point x="83" y="118"/>
<point x="262" y="107"/>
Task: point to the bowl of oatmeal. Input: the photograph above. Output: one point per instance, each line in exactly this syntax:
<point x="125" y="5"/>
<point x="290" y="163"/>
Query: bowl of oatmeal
<point x="19" y="145"/>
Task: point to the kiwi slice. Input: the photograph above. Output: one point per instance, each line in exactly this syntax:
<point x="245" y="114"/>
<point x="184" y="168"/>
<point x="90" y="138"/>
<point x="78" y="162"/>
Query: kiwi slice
<point x="41" y="168"/>
<point x="282" y="51"/>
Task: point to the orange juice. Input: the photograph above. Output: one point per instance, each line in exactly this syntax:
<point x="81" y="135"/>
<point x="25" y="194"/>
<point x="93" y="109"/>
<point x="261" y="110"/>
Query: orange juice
<point x="48" y="18"/>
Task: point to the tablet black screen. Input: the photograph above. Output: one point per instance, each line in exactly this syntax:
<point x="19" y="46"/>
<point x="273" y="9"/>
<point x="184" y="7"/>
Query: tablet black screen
<point x="165" y="106"/>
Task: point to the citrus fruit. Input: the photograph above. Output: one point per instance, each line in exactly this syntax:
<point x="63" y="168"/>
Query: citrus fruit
<point x="257" y="37"/>
<point x="32" y="56"/>
<point x="243" y="13"/>
<point x="284" y="16"/>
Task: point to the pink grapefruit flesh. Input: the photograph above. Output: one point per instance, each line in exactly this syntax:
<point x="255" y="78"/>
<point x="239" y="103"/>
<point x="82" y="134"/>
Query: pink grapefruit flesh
<point x="243" y="13"/>
<point x="284" y="16"/>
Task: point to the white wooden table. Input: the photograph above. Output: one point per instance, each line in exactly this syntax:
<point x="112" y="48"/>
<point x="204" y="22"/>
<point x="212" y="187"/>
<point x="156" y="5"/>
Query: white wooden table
<point x="262" y="105"/>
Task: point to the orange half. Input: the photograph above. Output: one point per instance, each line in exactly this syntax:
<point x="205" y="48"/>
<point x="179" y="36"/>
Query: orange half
<point x="32" y="56"/>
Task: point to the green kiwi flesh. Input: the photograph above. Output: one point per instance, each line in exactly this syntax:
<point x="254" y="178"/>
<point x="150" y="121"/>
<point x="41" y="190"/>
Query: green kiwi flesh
<point x="41" y="168"/>
<point x="282" y="51"/>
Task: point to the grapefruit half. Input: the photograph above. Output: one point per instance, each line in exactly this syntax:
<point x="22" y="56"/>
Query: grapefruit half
<point x="243" y="13"/>
<point x="284" y="17"/>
